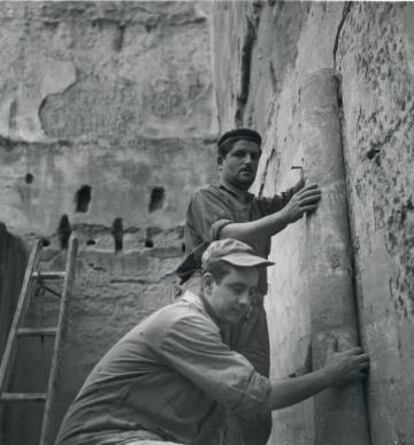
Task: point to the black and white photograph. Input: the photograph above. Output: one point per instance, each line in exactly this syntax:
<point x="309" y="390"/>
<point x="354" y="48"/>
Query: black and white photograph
<point x="206" y="222"/>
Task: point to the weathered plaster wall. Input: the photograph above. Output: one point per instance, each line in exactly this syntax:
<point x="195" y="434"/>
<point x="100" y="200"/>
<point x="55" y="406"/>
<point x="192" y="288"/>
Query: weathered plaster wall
<point x="266" y="53"/>
<point x="110" y="95"/>
<point x="107" y="125"/>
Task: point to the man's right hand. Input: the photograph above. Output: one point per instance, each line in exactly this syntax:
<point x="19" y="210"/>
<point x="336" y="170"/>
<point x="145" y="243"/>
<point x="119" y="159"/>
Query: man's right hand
<point x="304" y="201"/>
<point x="342" y="367"/>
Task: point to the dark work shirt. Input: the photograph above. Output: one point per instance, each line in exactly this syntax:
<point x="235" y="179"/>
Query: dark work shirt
<point x="213" y="207"/>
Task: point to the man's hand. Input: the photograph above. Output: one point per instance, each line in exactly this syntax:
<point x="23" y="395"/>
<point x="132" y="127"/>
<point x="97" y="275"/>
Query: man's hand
<point x="342" y="367"/>
<point x="305" y="200"/>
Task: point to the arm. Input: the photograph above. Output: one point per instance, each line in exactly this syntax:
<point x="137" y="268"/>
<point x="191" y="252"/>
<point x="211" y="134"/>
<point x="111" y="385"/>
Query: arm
<point x="286" y="392"/>
<point x="253" y="231"/>
<point x="340" y="368"/>
<point x="193" y="349"/>
<point x="196" y="350"/>
<point x="305" y="200"/>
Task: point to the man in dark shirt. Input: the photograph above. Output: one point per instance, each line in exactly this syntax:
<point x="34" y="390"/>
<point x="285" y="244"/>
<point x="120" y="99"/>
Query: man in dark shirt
<point x="228" y="210"/>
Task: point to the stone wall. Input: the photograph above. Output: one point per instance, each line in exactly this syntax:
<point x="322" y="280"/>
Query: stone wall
<point x="107" y="125"/>
<point x="267" y="56"/>
<point x="375" y="57"/>
<point x="101" y="104"/>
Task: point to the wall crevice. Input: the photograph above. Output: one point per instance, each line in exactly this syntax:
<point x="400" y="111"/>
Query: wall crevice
<point x="357" y="298"/>
<point x="345" y="12"/>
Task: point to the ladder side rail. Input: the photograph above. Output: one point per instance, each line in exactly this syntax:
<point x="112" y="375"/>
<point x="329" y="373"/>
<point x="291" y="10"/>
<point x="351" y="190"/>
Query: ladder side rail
<point x="61" y="327"/>
<point x="21" y="308"/>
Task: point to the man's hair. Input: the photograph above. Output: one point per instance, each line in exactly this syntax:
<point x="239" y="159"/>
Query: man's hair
<point x="228" y="139"/>
<point x="218" y="269"/>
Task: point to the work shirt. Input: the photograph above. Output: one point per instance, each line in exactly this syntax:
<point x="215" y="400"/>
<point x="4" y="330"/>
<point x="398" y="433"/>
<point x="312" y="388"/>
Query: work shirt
<point x="212" y="208"/>
<point x="169" y="375"/>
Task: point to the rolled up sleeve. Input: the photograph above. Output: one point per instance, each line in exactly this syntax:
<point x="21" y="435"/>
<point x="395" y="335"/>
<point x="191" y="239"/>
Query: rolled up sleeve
<point x="206" y="216"/>
<point x="194" y="349"/>
<point x="217" y="227"/>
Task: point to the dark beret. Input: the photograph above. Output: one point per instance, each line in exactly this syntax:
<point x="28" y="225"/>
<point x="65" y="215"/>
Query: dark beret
<point x="241" y="133"/>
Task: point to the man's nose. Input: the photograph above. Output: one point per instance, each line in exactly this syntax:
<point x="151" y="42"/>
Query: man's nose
<point x="248" y="159"/>
<point x="244" y="299"/>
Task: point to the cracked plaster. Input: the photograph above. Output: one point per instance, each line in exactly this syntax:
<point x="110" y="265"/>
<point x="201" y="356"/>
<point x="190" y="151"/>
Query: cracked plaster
<point x="21" y="99"/>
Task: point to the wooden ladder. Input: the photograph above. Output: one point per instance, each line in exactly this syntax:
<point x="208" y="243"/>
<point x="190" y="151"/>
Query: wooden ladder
<point x="17" y="329"/>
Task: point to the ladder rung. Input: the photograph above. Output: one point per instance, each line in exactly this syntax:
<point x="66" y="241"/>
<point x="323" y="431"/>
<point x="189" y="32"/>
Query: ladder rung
<point x="49" y="275"/>
<point x="23" y="397"/>
<point x="33" y="332"/>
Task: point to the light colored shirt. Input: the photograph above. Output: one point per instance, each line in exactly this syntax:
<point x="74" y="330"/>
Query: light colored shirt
<point x="168" y="376"/>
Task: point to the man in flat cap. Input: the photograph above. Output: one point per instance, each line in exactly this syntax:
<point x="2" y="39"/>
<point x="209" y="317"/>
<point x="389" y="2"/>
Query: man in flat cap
<point x="167" y="380"/>
<point x="228" y="210"/>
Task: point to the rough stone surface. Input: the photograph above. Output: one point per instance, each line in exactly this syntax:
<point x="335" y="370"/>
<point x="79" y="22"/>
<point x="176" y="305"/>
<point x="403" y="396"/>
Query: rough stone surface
<point x="374" y="60"/>
<point x="369" y="47"/>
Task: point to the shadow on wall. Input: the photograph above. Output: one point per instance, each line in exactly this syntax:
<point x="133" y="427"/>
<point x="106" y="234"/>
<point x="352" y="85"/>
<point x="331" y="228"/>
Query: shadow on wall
<point x="13" y="258"/>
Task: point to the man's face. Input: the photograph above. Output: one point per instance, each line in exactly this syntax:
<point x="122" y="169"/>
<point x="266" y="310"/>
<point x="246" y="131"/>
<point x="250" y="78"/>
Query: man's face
<point x="232" y="298"/>
<point x="239" y="166"/>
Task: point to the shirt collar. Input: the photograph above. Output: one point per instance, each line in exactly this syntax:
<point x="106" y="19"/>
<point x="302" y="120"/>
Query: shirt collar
<point x="241" y="195"/>
<point x="202" y="303"/>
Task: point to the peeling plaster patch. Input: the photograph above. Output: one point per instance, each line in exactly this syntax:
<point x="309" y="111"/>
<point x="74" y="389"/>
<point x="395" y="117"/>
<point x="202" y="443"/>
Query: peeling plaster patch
<point x="58" y="76"/>
<point x="7" y="116"/>
<point x="19" y="111"/>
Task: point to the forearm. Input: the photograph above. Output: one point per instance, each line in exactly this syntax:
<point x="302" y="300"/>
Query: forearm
<point x="254" y="231"/>
<point x="286" y="392"/>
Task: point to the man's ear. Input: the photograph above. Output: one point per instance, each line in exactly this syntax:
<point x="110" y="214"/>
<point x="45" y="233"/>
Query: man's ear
<point x="220" y="160"/>
<point x="207" y="283"/>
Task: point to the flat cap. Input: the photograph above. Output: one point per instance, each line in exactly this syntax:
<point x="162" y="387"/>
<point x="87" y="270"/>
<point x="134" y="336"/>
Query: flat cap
<point x="241" y="133"/>
<point x="233" y="252"/>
